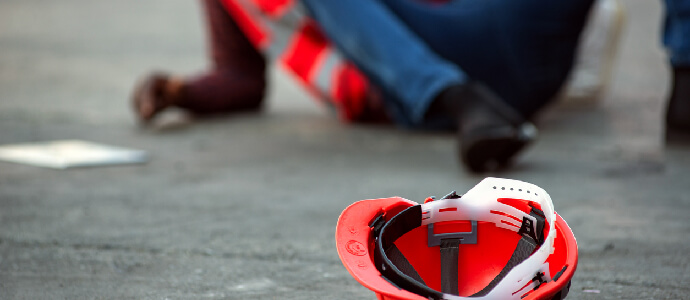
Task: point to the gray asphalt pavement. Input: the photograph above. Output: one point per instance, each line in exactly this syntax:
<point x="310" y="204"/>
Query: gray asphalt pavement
<point x="245" y="207"/>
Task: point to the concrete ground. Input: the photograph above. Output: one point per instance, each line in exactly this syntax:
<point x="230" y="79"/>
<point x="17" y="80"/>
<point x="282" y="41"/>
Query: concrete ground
<point x="245" y="207"/>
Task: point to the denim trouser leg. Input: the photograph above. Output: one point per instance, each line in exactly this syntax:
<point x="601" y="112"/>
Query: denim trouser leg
<point x="394" y="58"/>
<point x="522" y="49"/>
<point x="676" y="36"/>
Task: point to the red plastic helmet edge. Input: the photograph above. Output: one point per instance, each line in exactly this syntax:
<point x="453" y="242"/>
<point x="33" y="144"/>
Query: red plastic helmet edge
<point x="547" y="291"/>
<point x="352" y="243"/>
<point x="352" y="237"/>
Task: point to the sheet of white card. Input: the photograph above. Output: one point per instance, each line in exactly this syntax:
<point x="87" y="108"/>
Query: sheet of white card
<point x="65" y="154"/>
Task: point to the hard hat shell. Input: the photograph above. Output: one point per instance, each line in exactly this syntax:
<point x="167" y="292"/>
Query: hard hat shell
<point x="478" y="264"/>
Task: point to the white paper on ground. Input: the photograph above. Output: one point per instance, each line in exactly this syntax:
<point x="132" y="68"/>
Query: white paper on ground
<point x="65" y="154"/>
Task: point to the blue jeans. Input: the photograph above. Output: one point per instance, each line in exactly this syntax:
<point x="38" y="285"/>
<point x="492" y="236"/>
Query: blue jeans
<point x="413" y="50"/>
<point x="676" y="36"/>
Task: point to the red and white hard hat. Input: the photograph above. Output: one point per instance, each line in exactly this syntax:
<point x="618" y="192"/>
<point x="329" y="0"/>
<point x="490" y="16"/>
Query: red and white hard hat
<point x="500" y="240"/>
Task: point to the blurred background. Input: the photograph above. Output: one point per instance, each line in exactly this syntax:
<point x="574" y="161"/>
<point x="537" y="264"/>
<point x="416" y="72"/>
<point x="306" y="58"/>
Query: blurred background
<point x="245" y="207"/>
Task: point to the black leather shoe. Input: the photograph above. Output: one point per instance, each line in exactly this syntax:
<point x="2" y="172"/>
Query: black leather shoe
<point x="491" y="133"/>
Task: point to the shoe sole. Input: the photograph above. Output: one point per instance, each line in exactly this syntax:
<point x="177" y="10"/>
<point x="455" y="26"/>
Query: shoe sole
<point x="495" y="150"/>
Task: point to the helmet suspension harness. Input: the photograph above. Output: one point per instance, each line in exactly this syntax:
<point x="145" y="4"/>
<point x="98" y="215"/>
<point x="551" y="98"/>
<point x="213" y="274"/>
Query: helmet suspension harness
<point x="501" y="240"/>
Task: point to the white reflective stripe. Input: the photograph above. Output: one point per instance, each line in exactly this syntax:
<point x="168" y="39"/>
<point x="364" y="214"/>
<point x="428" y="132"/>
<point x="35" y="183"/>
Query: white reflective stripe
<point x="283" y="33"/>
<point x="281" y="38"/>
<point x="294" y="17"/>
<point x="285" y="29"/>
<point x="323" y="81"/>
<point x="281" y="29"/>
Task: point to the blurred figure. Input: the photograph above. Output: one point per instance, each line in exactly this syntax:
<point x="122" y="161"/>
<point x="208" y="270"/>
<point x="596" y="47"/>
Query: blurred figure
<point x="596" y="54"/>
<point x="483" y="68"/>
<point x="236" y="81"/>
